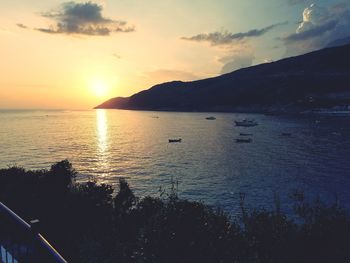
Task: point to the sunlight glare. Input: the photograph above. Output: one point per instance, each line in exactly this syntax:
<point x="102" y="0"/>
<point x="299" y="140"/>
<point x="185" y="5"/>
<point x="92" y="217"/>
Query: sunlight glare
<point x="99" y="88"/>
<point x="102" y="143"/>
<point x="101" y="130"/>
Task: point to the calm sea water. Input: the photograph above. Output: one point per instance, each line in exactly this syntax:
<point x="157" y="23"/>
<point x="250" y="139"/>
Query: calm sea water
<point x="208" y="165"/>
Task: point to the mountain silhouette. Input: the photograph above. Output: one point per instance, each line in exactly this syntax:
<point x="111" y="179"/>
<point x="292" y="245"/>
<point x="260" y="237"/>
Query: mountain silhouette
<point x="319" y="79"/>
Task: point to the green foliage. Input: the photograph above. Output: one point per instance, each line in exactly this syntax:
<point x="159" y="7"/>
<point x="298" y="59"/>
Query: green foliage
<point x="87" y="224"/>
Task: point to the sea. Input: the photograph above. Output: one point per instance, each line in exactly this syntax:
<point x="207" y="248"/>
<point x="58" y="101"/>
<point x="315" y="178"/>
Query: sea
<point x="309" y="153"/>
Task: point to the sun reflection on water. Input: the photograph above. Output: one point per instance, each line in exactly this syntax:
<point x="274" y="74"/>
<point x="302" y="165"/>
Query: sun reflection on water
<point x="102" y="140"/>
<point x="101" y="125"/>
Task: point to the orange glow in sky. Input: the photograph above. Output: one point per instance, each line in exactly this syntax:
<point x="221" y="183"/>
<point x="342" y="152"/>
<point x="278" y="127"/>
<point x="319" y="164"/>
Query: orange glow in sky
<point x="76" y="54"/>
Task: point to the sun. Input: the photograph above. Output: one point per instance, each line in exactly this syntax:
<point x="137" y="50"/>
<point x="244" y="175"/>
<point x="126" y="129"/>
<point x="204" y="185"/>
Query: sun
<point x="99" y="88"/>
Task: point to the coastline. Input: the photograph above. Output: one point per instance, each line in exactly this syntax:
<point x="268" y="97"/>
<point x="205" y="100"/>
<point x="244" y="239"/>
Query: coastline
<point x="244" y="110"/>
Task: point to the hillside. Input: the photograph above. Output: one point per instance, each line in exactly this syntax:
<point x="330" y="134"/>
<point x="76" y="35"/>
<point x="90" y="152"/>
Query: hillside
<point x="318" y="79"/>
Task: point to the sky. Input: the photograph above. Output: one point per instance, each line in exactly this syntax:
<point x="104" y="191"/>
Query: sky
<point x="76" y="54"/>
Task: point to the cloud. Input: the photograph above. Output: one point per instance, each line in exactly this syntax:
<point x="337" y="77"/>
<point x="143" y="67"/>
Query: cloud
<point x="226" y="38"/>
<point x="312" y="32"/>
<point x="83" y="18"/>
<point x="320" y="26"/>
<point x="21" y="26"/>
<point x="313" y="15"/>
<point x="236" y="61"/>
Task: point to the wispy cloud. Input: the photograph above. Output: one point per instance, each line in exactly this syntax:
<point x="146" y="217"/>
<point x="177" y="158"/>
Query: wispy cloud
<point x="83" y="18"/>
<point x="226" y="38"/>
<point x="116" y="55"/>
<point x="21" y="26"/>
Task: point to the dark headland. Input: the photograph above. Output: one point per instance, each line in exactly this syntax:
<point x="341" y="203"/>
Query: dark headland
<point x="316" y="80"/>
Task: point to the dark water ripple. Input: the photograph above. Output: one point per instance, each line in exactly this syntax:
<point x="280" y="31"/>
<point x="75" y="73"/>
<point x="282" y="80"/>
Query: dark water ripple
<point x="209" y="165"/>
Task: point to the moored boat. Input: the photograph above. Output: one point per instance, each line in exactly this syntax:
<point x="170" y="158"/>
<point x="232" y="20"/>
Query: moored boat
<point x="245" y="134"/>
<point x="210" y="118"/>
<point x="245" y="140"/>
<point x="246" y="123"/>
<point x="175" y="140"/>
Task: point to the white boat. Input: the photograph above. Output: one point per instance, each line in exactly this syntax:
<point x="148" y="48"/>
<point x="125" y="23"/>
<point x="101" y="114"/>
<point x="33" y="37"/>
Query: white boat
<point x="246" y="123"/>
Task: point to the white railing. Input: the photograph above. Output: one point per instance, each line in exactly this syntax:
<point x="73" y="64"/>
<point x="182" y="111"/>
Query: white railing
<point x="21" y="243"/>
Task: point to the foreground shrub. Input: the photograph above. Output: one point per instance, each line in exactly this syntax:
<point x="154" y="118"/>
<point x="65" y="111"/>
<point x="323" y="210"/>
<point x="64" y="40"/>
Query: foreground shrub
<point x="87" y="222"/>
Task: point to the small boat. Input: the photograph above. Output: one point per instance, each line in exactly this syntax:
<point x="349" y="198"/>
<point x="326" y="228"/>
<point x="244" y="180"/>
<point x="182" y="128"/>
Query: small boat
<point x="245" y="140"/>
<point x="245" y="134"/>
<point x="246" y="123"/>
<point x="210" y="118"/>
<point x="175" y="140"/>
<point x="286" y="134"/>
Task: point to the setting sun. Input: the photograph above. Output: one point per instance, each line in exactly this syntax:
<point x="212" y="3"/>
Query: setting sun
<point x="99" y="88"/>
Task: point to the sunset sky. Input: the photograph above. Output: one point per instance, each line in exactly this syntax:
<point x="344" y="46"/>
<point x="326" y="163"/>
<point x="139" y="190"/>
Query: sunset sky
<point x="75" y="55"/>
